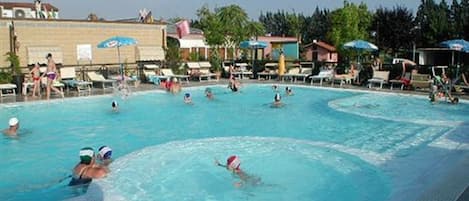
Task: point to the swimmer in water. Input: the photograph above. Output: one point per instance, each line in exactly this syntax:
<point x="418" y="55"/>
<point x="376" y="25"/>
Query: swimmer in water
<point x="187" y="98"/>
<point x="208" y="93"/>
<point x="233" y="164"/>
<point x="288" y="91"/>
<point x="105" y="155"/>
<point x="14" y="125"/>
<point x="115" y="106"/>
<point x="87" y="169"/>
<point x="277" y="101"/>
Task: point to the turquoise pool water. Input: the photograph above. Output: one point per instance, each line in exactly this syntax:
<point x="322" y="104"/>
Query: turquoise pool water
<point x="323" y="145"/>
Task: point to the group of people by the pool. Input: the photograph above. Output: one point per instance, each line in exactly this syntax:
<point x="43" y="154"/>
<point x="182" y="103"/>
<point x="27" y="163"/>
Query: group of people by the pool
<point x="50" y="73"/>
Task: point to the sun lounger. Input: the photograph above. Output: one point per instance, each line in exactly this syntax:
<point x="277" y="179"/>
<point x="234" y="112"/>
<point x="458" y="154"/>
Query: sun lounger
<point x="99" y="79"/>
<point x="204" y="71"/>
<point x="241" y="71"/>
<point x="420" y="80"/>
<point x="7" y="90"/>
<point x="291" y="74"/>
<point x="169" y="73"/>
<point x="400" y="82"/>
<point x="379" y="77"/>
<point x="345" y="78"/>
<point x="323" y="75"/>
<point x="68" y="76"/>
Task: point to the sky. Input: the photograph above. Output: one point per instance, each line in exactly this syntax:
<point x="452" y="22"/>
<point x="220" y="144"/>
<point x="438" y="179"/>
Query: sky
<point x="123" y="9"/>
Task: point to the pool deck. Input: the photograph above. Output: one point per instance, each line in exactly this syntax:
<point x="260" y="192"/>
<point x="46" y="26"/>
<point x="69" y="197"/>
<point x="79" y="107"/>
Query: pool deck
<point x="148" y="87"/>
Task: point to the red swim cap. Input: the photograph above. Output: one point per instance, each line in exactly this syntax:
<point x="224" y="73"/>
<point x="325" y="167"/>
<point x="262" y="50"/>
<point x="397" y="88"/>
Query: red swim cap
<point x="233" y="162"/>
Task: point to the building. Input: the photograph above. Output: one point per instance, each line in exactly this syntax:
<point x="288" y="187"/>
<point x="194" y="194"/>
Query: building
<point x="28" y="10"/>
<point x="74" y="42"/>
<point x="320" y="51"/>
<point x="276" y="44"/>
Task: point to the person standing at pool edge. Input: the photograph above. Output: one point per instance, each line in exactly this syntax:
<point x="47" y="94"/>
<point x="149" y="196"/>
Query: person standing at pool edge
<point x="51" y="75"/>
<point x="14" y="125"/>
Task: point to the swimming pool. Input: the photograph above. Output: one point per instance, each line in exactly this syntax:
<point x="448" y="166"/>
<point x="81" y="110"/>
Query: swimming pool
<point x="323" y="145"/>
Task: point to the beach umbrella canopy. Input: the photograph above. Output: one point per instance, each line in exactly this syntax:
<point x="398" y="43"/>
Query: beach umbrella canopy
<point x="360" y="45"/>
<point x="117" y="42"/>
<point x="250" y="44"/>
<point x="456" y="45"/>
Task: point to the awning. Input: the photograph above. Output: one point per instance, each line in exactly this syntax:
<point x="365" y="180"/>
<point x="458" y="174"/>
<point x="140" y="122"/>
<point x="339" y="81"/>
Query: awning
<point x="149" y="53"/>
<point x="38" y="54"/>
<point x="151" y="66"/>
<point x="192" y="43"/>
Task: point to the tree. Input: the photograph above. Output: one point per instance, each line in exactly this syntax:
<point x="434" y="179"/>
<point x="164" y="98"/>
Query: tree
<point x="433" y="21"/>
<point x="349" y="23"/>
<point x="275" y="23"/>
<point x="233" y="20"/>
<point x="394" y="29"/>
<point x="316" y="26"/>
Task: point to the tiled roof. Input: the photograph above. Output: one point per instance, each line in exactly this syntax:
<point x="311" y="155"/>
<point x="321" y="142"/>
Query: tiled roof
<point x="11" y="5"/>
<point x="324" y="45"/>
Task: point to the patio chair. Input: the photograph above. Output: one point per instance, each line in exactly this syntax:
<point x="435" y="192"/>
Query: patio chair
<point x="421" y="81"/>
<point x="7" y="90"/>
<point x="324" y="75"/>
<point x="379" y="77"/>
<point x="304" y="73"/>
<point x="169" y="73"/>
<point x="68" y="76"/>
<point x="99" y="79"/>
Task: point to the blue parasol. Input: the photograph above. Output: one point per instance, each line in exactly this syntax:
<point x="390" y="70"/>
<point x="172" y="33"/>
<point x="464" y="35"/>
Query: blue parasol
<point x="118" y="41"/>
<point x="360" y="45"/>
<point x="460" y="45"/>
<point x="250" y="44"/>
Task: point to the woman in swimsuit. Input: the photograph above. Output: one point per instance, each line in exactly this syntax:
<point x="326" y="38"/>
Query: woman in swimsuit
<point x="51" y="74"/>
<point x="87" y="170"/>
<point x="36" y="74"/>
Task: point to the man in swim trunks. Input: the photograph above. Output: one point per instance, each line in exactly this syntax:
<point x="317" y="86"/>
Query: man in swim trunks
<point x="87" y="170"/>
<point x="14" y="125"/>
<point x="51" y="74"/>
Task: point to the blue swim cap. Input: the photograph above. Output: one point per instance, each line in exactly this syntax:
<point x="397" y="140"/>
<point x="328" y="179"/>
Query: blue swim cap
<point x="187" y="95"/>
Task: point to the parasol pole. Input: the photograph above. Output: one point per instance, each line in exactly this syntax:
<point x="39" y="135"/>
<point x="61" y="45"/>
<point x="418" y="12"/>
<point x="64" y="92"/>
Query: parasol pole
<point x="120" y="64"/>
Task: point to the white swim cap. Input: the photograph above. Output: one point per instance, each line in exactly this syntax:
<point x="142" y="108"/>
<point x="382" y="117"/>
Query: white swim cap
<point x="86" y="155"/>
<point x="13" y="121"/>
<point x="105" y="152"/>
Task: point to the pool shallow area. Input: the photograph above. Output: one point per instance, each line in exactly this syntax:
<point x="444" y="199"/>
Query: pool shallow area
<point x="287" y="169"/>
<point x="323" y="145"/>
